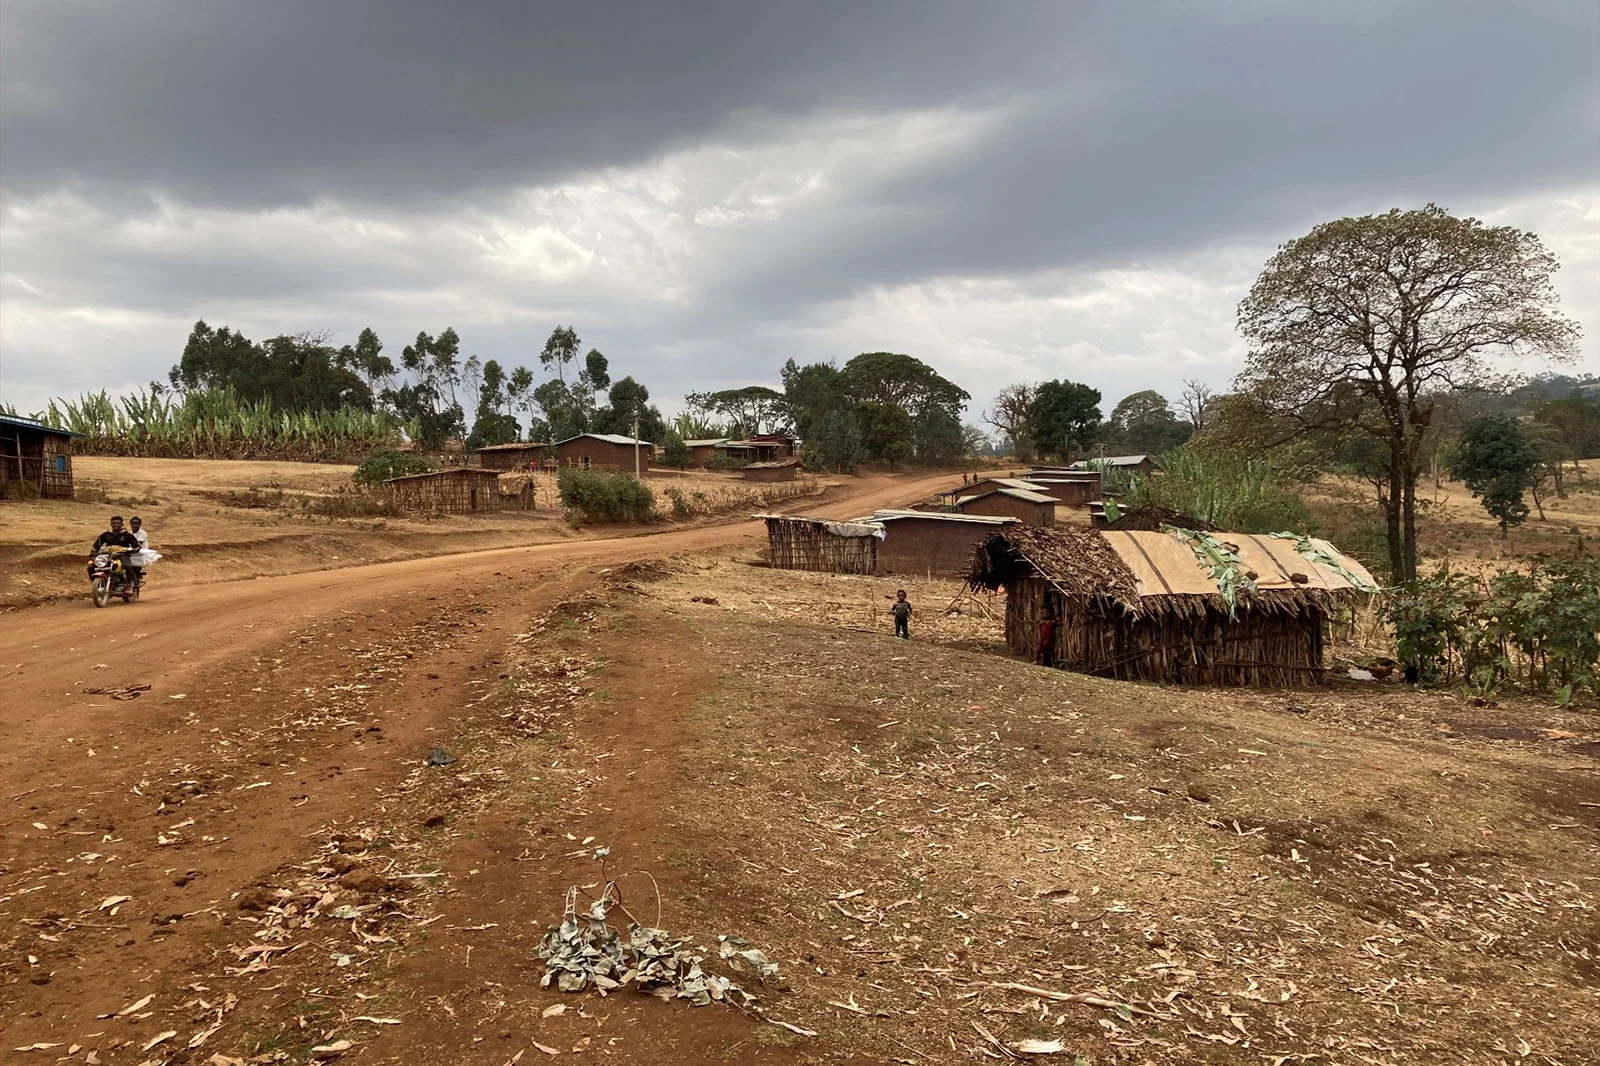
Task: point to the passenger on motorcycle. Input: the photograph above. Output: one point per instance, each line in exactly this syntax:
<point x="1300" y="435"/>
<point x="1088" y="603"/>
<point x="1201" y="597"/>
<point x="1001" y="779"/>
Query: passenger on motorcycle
<point x="115" y="537"/>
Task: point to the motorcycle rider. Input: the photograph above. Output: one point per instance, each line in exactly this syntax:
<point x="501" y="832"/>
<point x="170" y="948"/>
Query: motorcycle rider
<point x="115" y="537"/>
<point x="136" y="527"/>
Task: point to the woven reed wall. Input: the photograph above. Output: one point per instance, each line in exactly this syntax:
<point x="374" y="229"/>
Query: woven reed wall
<point x="447" y="492"/>
<point x="801" y="544"/>
<point x="1198" y="645"/>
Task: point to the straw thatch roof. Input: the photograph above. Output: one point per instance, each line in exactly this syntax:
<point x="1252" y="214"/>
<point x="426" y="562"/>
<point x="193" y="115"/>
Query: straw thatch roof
<point x="1153" y="518"/>
<point x="1151" y="571"/>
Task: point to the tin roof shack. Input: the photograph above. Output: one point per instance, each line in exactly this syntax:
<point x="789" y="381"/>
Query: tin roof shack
<point x="1033" y="508"/>
<point x="1131" y="464"/>
<point x="456" y="491"/>
<point x="798" y="543"/>
<point x="521" y="455"/>
<point x="717" y="449"/>
<point x="776" y="445"/>
<point x="610" y="451"/>
<point x="725" y="451"/>
<point x="925" y="542"/>
<point x="35" y="460"/>
<point x="1069" y="489"/>
<point x="986" y="484"/>
<point x="1178" y="606"/>
<point x="774" y="470"/>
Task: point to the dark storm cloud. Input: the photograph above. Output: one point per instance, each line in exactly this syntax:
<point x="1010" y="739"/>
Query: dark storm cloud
<point x="293" y="100"/>
<point x="1167" y="129"/>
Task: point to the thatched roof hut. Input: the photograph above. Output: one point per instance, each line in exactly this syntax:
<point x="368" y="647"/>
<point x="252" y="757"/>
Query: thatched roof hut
<point x="1171" y="606"/>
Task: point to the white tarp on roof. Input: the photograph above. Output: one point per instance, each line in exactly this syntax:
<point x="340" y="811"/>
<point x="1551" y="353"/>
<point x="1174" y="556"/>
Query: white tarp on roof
<point x="944" y="516"/>
<point x="860" y="527"/>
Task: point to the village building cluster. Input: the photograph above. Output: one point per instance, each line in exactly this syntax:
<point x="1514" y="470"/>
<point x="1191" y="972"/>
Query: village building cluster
<point x="1152" y="596"/>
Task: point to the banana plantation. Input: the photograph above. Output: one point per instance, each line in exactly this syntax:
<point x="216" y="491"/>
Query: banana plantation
<point x="219" y="424"/>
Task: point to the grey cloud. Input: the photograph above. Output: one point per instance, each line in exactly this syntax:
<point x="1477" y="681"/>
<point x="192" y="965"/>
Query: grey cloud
<point x="288" y="101"/>
<point x="1171" y="130"/>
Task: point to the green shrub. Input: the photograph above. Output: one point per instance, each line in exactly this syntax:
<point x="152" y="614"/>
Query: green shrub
<point x="384" y="463"/>
<point x="596" y="496"/>
<point x="1236" y="495"/>
<point x="680" y="504"/>
<point x="1533" y="628"/>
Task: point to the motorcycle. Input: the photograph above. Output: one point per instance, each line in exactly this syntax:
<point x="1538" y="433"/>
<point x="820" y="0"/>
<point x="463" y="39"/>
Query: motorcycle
<point x="110" y="576"/>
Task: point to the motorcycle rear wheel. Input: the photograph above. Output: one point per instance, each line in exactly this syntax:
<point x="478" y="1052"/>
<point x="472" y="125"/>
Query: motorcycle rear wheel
<point x="102" y="591"/>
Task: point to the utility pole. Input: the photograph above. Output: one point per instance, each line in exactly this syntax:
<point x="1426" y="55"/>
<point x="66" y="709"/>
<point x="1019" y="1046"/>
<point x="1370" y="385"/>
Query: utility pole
<point x="636" y="475"/>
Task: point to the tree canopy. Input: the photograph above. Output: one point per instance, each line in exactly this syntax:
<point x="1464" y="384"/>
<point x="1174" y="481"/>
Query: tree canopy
<point x="901" y="381"/>
<point x="295" y="373"/>
<point x="1144" y="422"/>
<point x="1496" y="459"/>
<point x="746" y="411"/>
<point x="1360" y="325"/>
<point x="1065" y="417"/>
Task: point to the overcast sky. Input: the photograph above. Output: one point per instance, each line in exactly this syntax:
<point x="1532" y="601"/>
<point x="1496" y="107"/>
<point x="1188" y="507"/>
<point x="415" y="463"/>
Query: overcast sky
<point x="1009" y="191"/>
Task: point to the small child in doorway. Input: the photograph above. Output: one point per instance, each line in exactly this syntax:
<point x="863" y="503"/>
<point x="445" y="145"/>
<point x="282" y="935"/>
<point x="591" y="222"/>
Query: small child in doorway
<point x="1046" y="653"/>
<point x="902" y="615"/>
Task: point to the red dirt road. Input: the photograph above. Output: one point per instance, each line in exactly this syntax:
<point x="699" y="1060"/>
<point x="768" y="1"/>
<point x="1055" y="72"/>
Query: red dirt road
<point x="277" y="707"/>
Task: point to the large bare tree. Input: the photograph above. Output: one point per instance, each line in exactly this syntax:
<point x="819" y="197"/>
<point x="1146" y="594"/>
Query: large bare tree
<point x="1012" y="415"/>
<point x="1365" y="322"/>
<point x="1195" y="402"/>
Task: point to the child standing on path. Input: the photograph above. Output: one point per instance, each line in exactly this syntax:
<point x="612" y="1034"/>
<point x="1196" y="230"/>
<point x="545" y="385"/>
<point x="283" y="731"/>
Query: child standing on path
<point x="902" y="615"/>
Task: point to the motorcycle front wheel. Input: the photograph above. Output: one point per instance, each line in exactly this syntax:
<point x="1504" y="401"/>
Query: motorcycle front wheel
<point x="102" y="591"/>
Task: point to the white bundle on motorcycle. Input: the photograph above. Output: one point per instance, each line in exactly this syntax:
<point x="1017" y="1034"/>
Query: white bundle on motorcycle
<point x="143" y="557"/>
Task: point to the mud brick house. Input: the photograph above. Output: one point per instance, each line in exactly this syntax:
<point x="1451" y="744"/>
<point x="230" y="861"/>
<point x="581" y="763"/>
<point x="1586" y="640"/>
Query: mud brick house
<point x="1070" y="489"/>
<point x="522" y="455"/>
<point x="1025" y="505"/>
<point x="760" y="449"/>
<point x="773" y="470"/>
<point x="928" y="542"/>
<point x="604" y="451"/>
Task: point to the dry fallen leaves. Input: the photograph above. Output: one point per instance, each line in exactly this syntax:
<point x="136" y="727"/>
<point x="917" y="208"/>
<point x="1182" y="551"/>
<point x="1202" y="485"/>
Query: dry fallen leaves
<point x="135" y="1006"/>
<point x="334" y="1048"/>
<point x="1038" y="1047"/>
<point x="160" y="1038"/>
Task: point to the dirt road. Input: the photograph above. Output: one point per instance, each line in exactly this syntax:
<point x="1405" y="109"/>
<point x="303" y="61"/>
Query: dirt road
<point x="132" y="828"/>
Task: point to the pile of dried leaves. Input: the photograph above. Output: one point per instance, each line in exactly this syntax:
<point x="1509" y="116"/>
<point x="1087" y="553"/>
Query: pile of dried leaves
<point x="587" y="951"/>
